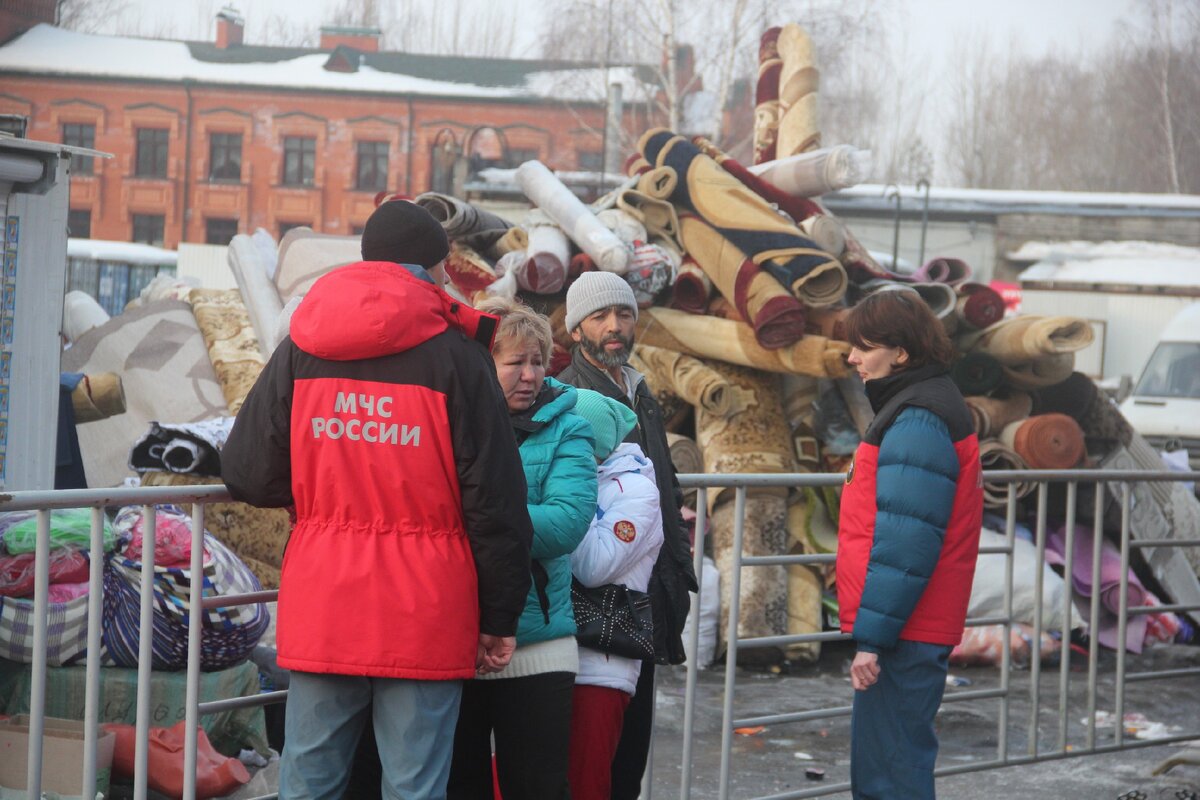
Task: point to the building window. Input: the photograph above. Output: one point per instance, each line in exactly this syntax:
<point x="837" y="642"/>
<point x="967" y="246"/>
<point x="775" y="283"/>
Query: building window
<point x="299" y="160"/>
<point x="225" y="157"/>
<point x="80" y="134"/>
<point x="148" y="228"/>
<point x="519" y="155"/>
<point x="152" y="152"/>
<point x="284" y="227"/>
<point x="371" y="173"/>
<point x="590" y="160"/>
<point x="220" y="231"/>
<point x="79" y="223"/>
<point x="14" y="124"/>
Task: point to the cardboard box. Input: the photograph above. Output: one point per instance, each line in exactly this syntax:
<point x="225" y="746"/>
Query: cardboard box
<point x="62" y="755"/>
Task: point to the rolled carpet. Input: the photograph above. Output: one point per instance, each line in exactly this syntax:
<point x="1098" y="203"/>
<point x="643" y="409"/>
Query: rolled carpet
<point x="468" y="270"/>
<point x="796" y="207"/>
<point x="1043" y="371"/>
<point x="577" y="220"/>
<point x="687" y="459"/>
<point x="1073" y="396"/>
<point x="81" y="313"/>
<point x="1047" y="441"/>
<point x="98" y="396"/>
<point x="951" y="271"/>
<point x="994" y="455"/>
<point x="232" y="344"/>
<point x="692" y="287"/>
<point x="735" y="343"/>
<point x="978" y="306"/>
<point x="672" y="405"/>
<point x="992" y="414"/>
<point x="798" y="83"/>
<point x="940" y="298"/>
<point x="464" y="222"/>
<point x="549" y="253"/>
<point x="513" y="239"/>
<point x="829" y="322"/>
<point x="689" y="379"/>
<point x="580" y="263"/>
<point x="804" y="599"/>
<point x="762" y="595"/>
<point x="756" y="439"/>
<point x="817" y="172"/>
<point x="977" y="374"/>
<point x="658" y="216"/>
<point x="766" y="96"/>
<point x="1027" y="337"/>
<point x="743" y="218"/>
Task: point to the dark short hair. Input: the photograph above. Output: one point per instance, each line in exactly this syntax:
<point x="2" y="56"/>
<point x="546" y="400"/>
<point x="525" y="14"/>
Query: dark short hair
<point x="900" y="319"/>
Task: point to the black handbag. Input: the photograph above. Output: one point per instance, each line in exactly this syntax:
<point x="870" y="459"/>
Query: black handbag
<point x="613" y="619"/>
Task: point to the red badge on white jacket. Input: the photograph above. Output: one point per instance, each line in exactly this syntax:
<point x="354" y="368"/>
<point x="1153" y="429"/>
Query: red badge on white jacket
<point x="625" y="530"/>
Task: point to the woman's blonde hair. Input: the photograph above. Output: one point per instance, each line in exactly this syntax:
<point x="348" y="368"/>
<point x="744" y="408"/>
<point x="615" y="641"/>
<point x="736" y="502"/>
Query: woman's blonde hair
<point x="519" y="323"/>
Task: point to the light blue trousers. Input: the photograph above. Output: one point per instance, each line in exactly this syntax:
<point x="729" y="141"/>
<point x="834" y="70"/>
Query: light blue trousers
<point x="414" y="726"/>
<point x="893" y="746"/>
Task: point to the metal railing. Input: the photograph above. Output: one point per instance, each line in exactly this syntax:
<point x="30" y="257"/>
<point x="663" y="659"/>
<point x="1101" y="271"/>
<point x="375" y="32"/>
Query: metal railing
<point x="197" y="496"/>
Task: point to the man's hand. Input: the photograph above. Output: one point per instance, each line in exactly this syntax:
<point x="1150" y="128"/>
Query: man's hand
<point x="864" y="671"/>
<point x="493" y="652"/>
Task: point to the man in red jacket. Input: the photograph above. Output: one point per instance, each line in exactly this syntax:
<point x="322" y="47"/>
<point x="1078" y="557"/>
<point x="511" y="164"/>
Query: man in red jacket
<point x="381" y="420"/>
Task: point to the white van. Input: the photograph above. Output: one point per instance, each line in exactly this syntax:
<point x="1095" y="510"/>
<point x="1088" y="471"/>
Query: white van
<point x="1165" y="404"/>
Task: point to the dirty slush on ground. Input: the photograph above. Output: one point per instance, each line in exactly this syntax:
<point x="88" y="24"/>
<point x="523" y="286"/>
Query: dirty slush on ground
<point x="775" y="760"/>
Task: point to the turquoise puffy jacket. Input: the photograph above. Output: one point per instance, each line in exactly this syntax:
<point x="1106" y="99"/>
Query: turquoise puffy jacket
<point x="560" y="471"/>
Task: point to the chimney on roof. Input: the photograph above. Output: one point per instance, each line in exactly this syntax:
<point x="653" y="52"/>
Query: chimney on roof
<point x="230" y="27"/>
<point x="364" y="40"/>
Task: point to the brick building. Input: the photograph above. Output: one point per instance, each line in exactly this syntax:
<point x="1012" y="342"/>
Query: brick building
<point x="215" y="138"/>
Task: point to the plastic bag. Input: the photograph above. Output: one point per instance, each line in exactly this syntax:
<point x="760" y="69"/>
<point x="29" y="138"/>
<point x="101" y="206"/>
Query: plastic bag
<point x="172" y="535"/>
<point x="67" y="565"/>
<point x="984" y="645"/>
<point x="69" y="527"/>
<point x="216" y="775"/>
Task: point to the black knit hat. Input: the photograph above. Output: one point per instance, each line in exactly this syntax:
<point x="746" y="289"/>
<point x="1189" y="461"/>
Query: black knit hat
<point x="404" y="233"/>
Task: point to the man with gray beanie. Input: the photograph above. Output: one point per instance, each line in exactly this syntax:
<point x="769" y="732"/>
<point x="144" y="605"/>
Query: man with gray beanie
<point x="381" y="421"/>
<point x="601" y="317"/>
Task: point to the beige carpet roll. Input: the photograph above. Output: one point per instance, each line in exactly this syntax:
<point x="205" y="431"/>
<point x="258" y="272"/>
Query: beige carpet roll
<point x="691" y="380"/>
<point x="661" y="388"/>
<point x="799" y="394"/>
<point x="799" y="79"/>
<point x="98" y="396"/>
<point x="993" y="414"/>
<point x="513" y="239"/>
<point x="232" y="345"/>
<point x="766" y="96"/>
<point x="994" y="455"/>
<point x="826" y="232"/>
<point x="763" y="595"/>
<point x="734" y="342"/>
<point x="687" y="459"/>
<point x="804" y="602"/>
<point x="1027" y="337"/>
<point x="756" y="439"/>
<point x="659" y="216"/>
<point x="1040" y="372"/>
<point x="1046" y="441"/>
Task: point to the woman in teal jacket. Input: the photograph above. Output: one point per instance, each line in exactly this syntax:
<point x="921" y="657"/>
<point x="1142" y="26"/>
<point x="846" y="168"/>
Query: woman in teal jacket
<point x="527" y="707"/>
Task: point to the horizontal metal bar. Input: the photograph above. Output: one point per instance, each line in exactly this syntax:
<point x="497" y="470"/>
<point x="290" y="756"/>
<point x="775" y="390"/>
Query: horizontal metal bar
<point x="995" y="549"/>
<point x="795" y="716"/>
<point x="711" y="480"/>
<point x="1165" y="543"/>
<point x="979" y="622"/>
<point x="248" y="701"/>
<point x="1175" y="609"/>
<point x="768" y="561"/>
<point x="794" y="638"/>
<point x="245" y="599"/>
<point x="825" y="789"/>
<point x="1075" y="752"/>
<point x="1130" y="677"/>
<point x="695" y="480"/>
<point x="92" y="498"/>
<point x="973" y="694"/>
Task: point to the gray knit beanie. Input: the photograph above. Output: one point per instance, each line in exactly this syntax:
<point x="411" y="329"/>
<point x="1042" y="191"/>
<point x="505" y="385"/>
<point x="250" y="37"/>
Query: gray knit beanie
<point x="593" y="291"/>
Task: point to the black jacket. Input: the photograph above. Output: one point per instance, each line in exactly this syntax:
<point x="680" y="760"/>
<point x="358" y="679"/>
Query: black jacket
<point x="674" y="575"/>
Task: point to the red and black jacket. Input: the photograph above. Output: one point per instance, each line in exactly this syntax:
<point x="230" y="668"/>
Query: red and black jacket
<point x="911" y="510"/>
<point x="382" y="421"/>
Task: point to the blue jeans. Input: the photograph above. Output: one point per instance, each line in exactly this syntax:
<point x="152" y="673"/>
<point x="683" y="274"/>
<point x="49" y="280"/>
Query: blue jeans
<point x="893" y="746"/>
<point x="414" y="726"/>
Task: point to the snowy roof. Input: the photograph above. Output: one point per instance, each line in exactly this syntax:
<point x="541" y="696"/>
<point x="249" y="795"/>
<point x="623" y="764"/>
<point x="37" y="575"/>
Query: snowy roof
<point x="1172" y="270"/>
<point x="1074" y="250"/>
<point x="998" y="201"/>
<point x="46" y="50"/>
<point x="123" y="252"/>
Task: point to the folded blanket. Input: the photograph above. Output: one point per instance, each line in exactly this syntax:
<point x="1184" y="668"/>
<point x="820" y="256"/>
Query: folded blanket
<point x="735" y="343"/>
<point x="1047" y="441"/>
<point x="652" y="269"/>
<point x="741" y="217"/>
<point x="978" y="306"/>
<point x="766" y="96"/>
<point x="995" y="455"/>
<point x="464" y="222"/>
<point x="560" y="204"/>
<point x="992" y="414"/>
<point x="798" y="81"/>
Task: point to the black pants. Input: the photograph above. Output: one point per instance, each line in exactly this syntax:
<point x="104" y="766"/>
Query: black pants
<point x="630" y="761"/>
<point x="531" y="720"/>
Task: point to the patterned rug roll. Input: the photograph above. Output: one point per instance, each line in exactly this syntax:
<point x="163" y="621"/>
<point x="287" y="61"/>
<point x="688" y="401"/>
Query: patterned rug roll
<point x="798" y="83"/>
<point x="763" y="595"/>
<point x="229" y="336"/>
<point x="691" y="380"/>
<point x="798" y="208"/>
<point x="745" y="219"/>
<point x="1047" y="441"/>
<point x="993" y="414"/>
<point x="687" y="459"/>
<point x="659" y="217"/>
<point x="994" y="455"/>
<point x="464" y="222"/>
<point x="735" y="343"/>
<point x="799" y="394"/>
<point x="979" y="306"/>
<point x="804" y="600"/>
<point x="756" y="439"/>
<point x="776" y="317"/>
<point x="1027" y="337"/>
<point x="469" y="271"/>
<point x="559" y="203"/>
<point x="692" y="288"/>
<point x="977" y="374"/>
<point x="766" y="96"/>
